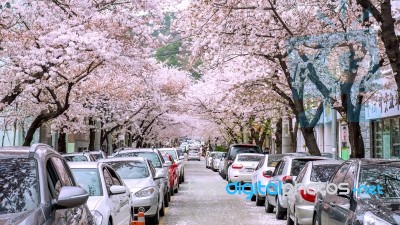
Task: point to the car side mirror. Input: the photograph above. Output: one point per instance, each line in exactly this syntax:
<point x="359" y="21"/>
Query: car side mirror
<point x="117" y="189"/>
<point x="71" y="197"/>
<point x="269" y="173"/>
<point x="181" y="157"/>
<point x="288" y="181"/>
<point x="167" y="163"/>
<point x="158" y="176"/>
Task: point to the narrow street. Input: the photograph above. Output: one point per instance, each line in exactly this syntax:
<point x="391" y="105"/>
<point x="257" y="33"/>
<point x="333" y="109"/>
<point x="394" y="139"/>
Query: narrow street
<point x="202" y="199"/>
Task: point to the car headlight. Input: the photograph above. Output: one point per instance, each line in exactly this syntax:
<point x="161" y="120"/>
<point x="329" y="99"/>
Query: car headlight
<point x="371" y="219"/>
<point x="97" y="216"/>
<point x="146" y="192"/>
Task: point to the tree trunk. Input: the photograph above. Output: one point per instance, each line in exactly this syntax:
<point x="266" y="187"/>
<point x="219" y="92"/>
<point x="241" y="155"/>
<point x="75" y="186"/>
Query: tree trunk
<point x="62" y="142"/>
<point x="309" y="138"/>
<point x="278" y="137"/>
<point x="356" y="140"/>
<point x="293" y="134"/>
<point x="36" y="124"/>
<point x="92" y="134"/>
<point x="139" y="142"/>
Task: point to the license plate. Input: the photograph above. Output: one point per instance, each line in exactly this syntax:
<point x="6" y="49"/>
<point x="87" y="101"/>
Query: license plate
<point x="249" y="170"/>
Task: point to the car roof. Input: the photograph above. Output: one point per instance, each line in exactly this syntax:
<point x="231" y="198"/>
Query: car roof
<point x="377" y="161"/>
<point x="136" y="150"/>
<point x="303" y="157"/>
<point x="240" y="154"/>
<point x="327" y="162"/>
<point x="75" y="153"/>
<point x="118" y="159"/>
<point x="166" y="149"/>
<point x="26" y="152"/>
<point x="244" y="145"/>
<point x="84" y="165"/>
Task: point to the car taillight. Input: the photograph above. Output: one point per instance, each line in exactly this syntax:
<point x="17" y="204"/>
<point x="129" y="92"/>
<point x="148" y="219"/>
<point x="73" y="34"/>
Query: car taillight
<point x="286" y="178"/>
<point x="265" y="174"/>
<point x="307" y="196"/>
<point x="237" y="166"/>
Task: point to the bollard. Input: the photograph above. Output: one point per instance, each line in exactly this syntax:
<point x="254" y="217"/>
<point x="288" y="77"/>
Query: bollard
<point x="141" y="220"/>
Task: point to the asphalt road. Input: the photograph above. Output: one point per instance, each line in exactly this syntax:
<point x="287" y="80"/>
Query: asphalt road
<point x="202" y="199"/>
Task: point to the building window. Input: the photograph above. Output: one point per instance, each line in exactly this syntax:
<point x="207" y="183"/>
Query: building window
<point x="386" y="138"/>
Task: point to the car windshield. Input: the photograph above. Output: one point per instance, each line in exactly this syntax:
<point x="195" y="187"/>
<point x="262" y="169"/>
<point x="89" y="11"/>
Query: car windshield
<point x="130" y="169"/>
<point x="75" y="158"/>
<point x="89" y="179"/>
<point x="218" y="155"/>
<point x="386" y="176"/>
<point x="243" y="149"/>
<point x="97" y="156"/>
<point x="250" y="158"/>
<point x="322" y="173"/>
<point x="297" y="165"/>
<point x="152" y="156"/>
<point x="19" y="185"/>
<point x="171" y="152"/>
<point x="274" y="159"/>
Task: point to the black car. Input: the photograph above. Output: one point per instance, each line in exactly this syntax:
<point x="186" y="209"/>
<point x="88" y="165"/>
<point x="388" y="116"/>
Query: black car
<point x="236" y="149"/>
<point x="38" y="188"/>
<point x="372" y="195"/>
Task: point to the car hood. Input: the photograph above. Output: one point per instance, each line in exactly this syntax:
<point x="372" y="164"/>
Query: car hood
<point x="23" y="218"/>
<point x="93" y="201"/>
<point x="137" y="184"/>
<point x="387" y="209"/>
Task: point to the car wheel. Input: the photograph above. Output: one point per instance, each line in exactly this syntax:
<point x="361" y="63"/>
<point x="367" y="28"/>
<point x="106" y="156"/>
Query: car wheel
<point x="171" y="192"/>
<point x="316" y="220"/>
<point x="109" y="222"/>
<point x="156" y="218"/>
<point x="268" y="207"/>
<point x="289" y="220"/>
<point x="162" y="210"/>
<point x="253" y="198"/>
<point x="183" y="177"/>
<point x="259" y="201"/>
<point x="166" y="202"/>
<point x="176" y="190"/>
<point x="280" y="212"/>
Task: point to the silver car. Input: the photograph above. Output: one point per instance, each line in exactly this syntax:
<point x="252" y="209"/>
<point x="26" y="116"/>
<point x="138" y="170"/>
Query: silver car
<point x="216" y="160"/>
<point x="301" y="202"/>
<point x="158" y="162"/>
<point x="141" y="178"/>
<point x="38" y="188"/>
<point x="287" y="168"/>
<point x="194" y="155"/>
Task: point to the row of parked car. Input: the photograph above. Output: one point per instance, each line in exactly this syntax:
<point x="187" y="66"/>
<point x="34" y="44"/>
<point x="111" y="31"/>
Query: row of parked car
<point x="40" y="186"/>
<point x="356" y="191"/>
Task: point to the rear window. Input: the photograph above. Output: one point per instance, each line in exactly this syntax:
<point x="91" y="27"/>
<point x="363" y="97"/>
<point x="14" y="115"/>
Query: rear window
<point x="243" y="149"/>
<point x="298" y="164"/>
<point x="76" y="158"/>
<point x="322" y="173"/>
<point x="250" y="158"/>
<point x="152" y="156"/>
<point x="274" y="159"/>
<point x="194" y="152"/>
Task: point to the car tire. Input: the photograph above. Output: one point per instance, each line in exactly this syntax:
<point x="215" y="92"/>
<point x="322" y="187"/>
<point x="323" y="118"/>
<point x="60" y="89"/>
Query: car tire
<point x="166" y="202"/>
<point x="171" y="192"/>
<point x="259" y="201"/>
<point x="176" y="190"/>
<point x="316" y="220"/>
<point x="279" y="211"/>
<point x="162" y="210"/>
<point x="183" y="177"/>
<point x="268" y="207"/>
<point x="156" y="218"/>
<point x="289" y="221"/>
<point x="253" y="198"/>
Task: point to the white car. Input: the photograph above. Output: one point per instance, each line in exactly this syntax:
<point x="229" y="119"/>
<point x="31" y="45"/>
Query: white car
<point x="260" y="175"/>
<point x="243" y="167"/>
<point x="209" y="159"/>
<point x="194" y="155"/>
<point x="216" y="160"/>
<point x="178" y="160"/>
<point x="109" y="199"/>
